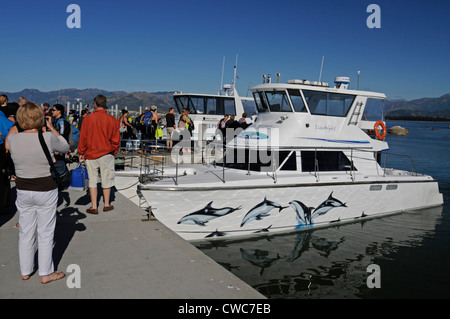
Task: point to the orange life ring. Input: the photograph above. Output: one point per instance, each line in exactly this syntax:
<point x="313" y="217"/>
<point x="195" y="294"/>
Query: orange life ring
<point x="377" y="131"/>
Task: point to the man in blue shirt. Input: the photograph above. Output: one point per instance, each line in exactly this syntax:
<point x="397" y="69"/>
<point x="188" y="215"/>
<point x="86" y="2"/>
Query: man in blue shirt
<point x="5" y="160"/>
<point x="5" y="126"/>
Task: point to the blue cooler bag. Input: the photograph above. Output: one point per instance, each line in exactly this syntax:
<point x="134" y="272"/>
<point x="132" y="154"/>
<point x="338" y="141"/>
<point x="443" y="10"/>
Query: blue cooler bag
<point x="79" y="174"/>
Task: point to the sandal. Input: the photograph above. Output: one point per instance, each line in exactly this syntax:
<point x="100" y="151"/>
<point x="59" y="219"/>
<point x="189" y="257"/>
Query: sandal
<point x="53" y="277"/>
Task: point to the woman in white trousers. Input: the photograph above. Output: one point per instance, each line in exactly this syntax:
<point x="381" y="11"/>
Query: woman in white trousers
<point x="37" y="192"/>
<point x="37" y="211"/>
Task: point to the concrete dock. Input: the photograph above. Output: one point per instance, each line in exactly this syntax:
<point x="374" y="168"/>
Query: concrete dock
<point x="116" y="255"/>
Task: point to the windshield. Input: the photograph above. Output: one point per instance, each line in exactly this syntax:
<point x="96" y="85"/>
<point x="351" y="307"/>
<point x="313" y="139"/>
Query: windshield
<point x="374" y="110"/>
<point x="297" y="101"/>
<point x="206" y="104"/>
<point x="260" y="102"/>
<point x="278" y="102"/>
<point x="249" y="107"/>
<point x="325" y="103"/>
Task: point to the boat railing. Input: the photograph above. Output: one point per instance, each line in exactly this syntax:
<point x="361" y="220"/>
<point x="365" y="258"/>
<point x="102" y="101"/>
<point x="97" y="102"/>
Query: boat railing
<point x="386" y="155"/>
<point x="154" y="166"/>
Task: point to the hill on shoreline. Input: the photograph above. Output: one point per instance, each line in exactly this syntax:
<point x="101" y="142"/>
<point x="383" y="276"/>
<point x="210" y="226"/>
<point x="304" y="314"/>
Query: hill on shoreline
<point x="425" y="108"/>
<point x="133" y="100"/>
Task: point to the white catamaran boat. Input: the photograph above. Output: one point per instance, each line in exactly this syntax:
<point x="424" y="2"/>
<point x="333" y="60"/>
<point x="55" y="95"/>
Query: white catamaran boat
<point x="206" y="110"/>
<point x="312" y="158"/>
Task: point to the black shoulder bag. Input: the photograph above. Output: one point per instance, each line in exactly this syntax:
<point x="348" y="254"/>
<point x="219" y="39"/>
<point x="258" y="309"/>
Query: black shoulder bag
<point x="60" y="173"/>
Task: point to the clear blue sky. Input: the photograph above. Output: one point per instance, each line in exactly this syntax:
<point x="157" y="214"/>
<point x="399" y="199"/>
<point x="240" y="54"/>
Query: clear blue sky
<point x="151" y="46"/>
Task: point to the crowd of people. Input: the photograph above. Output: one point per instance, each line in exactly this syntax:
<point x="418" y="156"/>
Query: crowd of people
<point x="229" y="127"/>
<point x="23" y="160"/>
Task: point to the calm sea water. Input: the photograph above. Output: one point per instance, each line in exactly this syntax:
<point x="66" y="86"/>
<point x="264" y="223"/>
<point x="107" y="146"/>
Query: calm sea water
<point x="412" y="249"/>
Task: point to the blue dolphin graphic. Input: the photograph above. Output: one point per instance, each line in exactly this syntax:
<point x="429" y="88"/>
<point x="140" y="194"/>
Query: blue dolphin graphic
<point x="326" y="206"/>
<point x="204" y="215"/>
<point x="306" y="215"/>
<point x="261" y="210"/>
<point x="303" y="213"/>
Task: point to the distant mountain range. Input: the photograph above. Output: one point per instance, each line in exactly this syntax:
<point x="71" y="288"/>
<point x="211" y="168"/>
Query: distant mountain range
<point x="419" y="109"/>
<point x="134" y="100"/>
<point x="425" y="109"/>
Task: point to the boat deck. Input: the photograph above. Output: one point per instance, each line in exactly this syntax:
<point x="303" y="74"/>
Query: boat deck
<point x="211" y="176"/>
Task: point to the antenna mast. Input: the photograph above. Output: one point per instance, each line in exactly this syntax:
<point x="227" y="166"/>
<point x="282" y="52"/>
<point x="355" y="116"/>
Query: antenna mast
<point x="221" y="81"/>
<point x="321" y="67"/>
<point x="235" y="68"/>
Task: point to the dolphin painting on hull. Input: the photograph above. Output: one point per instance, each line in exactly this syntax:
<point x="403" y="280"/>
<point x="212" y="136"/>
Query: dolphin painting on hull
<point x="261" y="210"/>
<point x="306" y="215"/>
<point x="327" y="205"/>
<point x="303" y="213"/>
<point x="204" y="215"/>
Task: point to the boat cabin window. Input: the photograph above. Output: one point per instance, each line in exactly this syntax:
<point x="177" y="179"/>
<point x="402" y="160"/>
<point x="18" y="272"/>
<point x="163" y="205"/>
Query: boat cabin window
<point x="278" y="102"/>
<point x="325" y="103"/>
<point x="197" y="105"/>
<point x="374" y="110"/>
<point x="326" y="161"/>
<point x="206" y="105"/>
<point x="211" y="106"/>
<point x="260" y="102"/>
<point x="230" y="109"/>
<point x="180" y="102"/>
<point x="258" y="161"/>
<point x="297" y="101"/>
<point x="249" y="107"/>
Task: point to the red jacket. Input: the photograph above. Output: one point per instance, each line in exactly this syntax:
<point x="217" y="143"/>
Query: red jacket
<point x="99" y="135"/>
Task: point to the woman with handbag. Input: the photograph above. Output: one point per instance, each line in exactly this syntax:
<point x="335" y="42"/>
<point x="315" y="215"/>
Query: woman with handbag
<point x="37" y="191"/>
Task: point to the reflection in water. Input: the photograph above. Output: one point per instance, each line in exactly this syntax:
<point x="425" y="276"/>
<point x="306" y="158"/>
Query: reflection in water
<point x="330" y="262"/>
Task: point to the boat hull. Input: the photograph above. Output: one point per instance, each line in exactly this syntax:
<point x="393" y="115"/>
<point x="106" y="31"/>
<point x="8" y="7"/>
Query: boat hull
<point x="202" y="213"/>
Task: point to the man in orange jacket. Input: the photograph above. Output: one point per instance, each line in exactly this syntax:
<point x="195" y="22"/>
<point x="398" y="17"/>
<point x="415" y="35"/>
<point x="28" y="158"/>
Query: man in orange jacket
<point x="99" y="142"/>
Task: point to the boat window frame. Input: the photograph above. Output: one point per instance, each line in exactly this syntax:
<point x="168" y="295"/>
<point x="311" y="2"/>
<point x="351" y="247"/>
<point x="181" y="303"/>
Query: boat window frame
<point x="221" y="105"/>
<point x="194" y="106"/>
<point x="367" y="103"/>
<point x="302" y="98"/>
<point x="249" y="107"/>
<point x="286" y="96"/>
<point x="261" y="107"/>
<point x="178" y="99"/>
<point x="226" y="107"/>
<point x="327" y="161"/>
<point x="250" y="160"/>
<point x="328" y="109"/>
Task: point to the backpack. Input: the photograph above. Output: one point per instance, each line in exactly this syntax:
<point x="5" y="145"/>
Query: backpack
<point x="148" y="118"/>
<point x="73" y="136"/>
